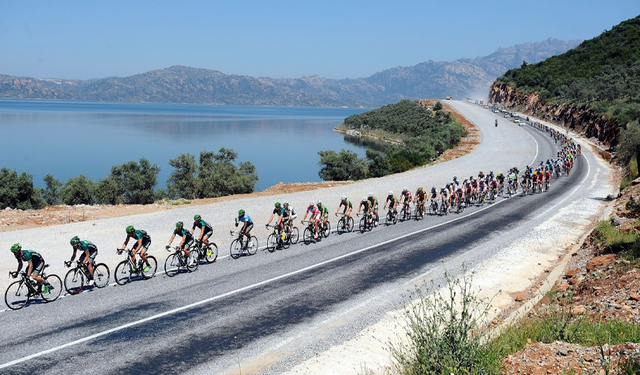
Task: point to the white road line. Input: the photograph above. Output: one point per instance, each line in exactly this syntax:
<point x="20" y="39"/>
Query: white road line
<point x="249" y="287"/>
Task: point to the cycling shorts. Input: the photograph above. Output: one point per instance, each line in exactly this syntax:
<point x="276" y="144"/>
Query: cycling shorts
<point x="38" y="265"/>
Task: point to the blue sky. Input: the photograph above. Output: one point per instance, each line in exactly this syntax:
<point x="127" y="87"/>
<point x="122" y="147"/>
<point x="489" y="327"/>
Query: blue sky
<point x="333" y="39"/>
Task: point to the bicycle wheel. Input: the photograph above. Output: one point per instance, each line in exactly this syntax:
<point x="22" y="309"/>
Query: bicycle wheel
<point x="252" y="248"/>
<point x="211" y="252"/>
<point x="350" y="224"/>
<point x="294" y="236"/>
<point x="388" y="218"/>
<point x="55" y="288"/>
<point x="16" y="295"/>
<point x="100" y="275"/>
<point x="235" y="250"/>
<point x="307" y="236"/>
<point x="74" y="281"/>
<point x="194" y="260"/>
<point x="172" y="265"/>
<point x="272" y="242"/>
<point x="363" y="225"/>
<point x="153" y="266"/>
<point x="341" y="227"/>
<point x="287" y="240"/>
<point x="123" y="272"/>
<point x="327" y="229"/>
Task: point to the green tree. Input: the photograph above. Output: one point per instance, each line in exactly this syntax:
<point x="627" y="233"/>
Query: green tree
<point x="78" y="190"/>
<point x="183" y="182"/>
<point x="52" y="194"/>
<point x="216" y="174"/>
<point x="378" y="163"/>
<point x="342" y="166"/>
<point x="437" y="107"/>
<point x="17" y="191"/>
<point x="130" y="183"/>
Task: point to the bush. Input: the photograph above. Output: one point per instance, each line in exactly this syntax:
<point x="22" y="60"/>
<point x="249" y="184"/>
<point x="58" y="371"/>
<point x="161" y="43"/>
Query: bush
<point x="343" y="166"/>
<point x="78" y="190"/>
<point x="216" y="175"/>
<point x="129" y="183"/>
<point x="445" y="332"/>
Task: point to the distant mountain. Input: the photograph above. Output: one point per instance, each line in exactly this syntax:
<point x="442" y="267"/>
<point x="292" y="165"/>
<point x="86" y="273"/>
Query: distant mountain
<point x="180" y="84"/>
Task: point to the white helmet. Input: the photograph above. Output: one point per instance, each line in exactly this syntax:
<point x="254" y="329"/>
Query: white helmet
<point x="370" y="195"/>
<point x="311" y="203"/>
<point x="343" y="197"/>
<point x="390" y="192"/>
<point x="404" y="189"/>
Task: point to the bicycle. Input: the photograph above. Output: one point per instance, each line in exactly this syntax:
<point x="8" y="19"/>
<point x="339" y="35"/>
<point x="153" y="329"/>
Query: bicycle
<point x="239" y="245"/>
<point x="208" y="253"/>
<point x="345" y="224"/>
<point x="178" y="259"/>
<point x="126" y="268"/>
<point x="309" y="233"/>
<point x="275" y="240"/>
<point x="405" y="212"/>
<point x="293" y="234"/>
<point x="78" y="276"/>
<point x="444" y="206"/>
<point x="433" y="207"/>
<point x="19" y="292"/>
<point x="392" y="217"/>
<point x="366" y="223"/>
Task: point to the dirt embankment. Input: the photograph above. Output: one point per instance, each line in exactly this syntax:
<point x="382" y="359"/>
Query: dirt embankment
<point x="12" y="219"/>
<point x="596" y="285"/>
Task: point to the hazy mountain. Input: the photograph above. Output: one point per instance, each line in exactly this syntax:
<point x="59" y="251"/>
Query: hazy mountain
<point x="180" y="84"/>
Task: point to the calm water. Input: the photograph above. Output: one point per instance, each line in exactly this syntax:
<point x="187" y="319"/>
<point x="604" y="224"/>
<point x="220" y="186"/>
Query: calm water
<point x="67" y="139"/>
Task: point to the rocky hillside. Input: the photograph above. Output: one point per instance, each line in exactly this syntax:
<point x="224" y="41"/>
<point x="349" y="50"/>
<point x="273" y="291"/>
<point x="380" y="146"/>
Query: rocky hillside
<point x="583" y="120"/>
<point x="593" y="88"/>
<point x="180" y="84"/>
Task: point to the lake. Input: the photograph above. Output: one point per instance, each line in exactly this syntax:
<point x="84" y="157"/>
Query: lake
<point x="67" y="139"/>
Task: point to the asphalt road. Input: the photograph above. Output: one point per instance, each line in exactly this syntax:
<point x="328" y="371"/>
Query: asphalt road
<point x="266" y="312"/>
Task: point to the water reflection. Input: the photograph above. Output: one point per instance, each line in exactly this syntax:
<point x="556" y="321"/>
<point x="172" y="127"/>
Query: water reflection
<point x="68" y="138"/>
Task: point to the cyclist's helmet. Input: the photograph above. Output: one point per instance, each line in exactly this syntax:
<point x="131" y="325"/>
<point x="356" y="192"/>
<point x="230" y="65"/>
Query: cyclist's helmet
<point x="370" y="195"/>
<point x="319" y="203"/>
<point x="433" y="188"/>
<point x="364" y="199"/>
<point x="390" y="192"/>
<point x="74" y="241"/>
<point x="455" y="178"/>
<point x="16" y="247"/>
<point x="277" y="204"/>
<point x="420" y="188"/>
<point x="179" y="224"/>
<point x="241" y="213"/>
<point x="130" y="229"/>
<point x="405" y="189"/>
<point x="197" y="217"/>
<point x="285" y="203"/>
<point x="343" y="197"/>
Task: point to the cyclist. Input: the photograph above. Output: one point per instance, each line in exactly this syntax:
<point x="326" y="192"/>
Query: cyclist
<point x="324" y="213"/>
<point x="314" y="216"/>
<point x="289" y="214"/>
<point x="206" y="230"/>
<point x="406" y="196"/>
<point x="187" y="239"/>
<point x="365" y="205"/>
<point x="34" y="268"/>
<point x="374" y="206"/>
<point x="88" y="256"/>
<point x="392" y="202"/>
<point x="246" y="227"/>
<point x="143" y="240"/>
<point x="444" y="194"/>
<point x="421" y="197"/>
<point x="348" y="207"/>
<point x="278" y="210"/>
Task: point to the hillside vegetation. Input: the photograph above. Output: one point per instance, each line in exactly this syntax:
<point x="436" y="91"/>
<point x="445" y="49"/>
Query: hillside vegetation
<point x="409" y="134"/>
<point x="602" y="74"/>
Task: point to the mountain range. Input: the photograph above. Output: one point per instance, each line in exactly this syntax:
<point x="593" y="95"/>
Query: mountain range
<point x="181" y="84"/>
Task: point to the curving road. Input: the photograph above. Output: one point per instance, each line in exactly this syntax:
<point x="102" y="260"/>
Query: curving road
<point x="265" y="313"/>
